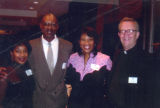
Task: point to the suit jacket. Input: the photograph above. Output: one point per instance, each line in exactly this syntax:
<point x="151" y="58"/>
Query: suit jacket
<point x="50" y="89"/>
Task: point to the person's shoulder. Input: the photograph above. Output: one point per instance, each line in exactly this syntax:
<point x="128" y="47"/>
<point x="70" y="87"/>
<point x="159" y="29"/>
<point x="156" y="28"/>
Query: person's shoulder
<point x="34" y="41"/>
<point x="65" y="41"/>
<point x="102" y="55"/>
<point x="74" y="55"/>
<point x="144" y="53"/>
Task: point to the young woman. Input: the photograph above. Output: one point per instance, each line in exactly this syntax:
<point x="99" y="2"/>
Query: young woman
<point x="16" y="80"/>
<point x="87" y="73"/>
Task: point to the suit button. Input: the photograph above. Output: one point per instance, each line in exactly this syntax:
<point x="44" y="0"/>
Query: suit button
<point x="45" y="82"/>
<point x="54" y="93"/>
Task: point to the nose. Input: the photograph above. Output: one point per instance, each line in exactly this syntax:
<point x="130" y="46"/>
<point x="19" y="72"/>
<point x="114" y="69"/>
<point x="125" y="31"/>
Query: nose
<point x="86" y="42"/>
<point x="49" y="27"/>
<point x="125" y="36"/>
<point x="22" y="54"/>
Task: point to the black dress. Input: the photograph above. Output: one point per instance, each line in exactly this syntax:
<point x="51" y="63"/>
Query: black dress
<point x="18" y="88"/>
<point x="91" y="92"/>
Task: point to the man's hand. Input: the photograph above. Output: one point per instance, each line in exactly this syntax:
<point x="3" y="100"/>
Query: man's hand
<point x="69" y="89"/>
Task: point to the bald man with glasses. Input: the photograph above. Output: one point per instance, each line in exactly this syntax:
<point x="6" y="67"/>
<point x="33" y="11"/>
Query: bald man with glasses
<point x="129" y="67"/>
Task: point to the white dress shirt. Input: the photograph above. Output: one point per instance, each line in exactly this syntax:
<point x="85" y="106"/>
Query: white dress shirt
<point x="54" y="45"/>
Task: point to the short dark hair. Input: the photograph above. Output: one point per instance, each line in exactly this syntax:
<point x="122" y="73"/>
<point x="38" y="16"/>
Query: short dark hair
<point x="91" y="32"/>
<point x="127" y="19"/>
<point x="47" y="14"/>
<point x="15" y="43"/>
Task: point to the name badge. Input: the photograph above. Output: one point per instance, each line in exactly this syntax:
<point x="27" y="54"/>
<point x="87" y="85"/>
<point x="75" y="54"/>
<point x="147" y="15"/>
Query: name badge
<point x="29" y="72"/>
<point x="132" y="80"/>
<point x="95" y="67"/>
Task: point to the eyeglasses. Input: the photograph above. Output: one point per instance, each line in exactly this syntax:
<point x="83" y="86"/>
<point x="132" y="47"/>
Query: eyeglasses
<point x="50" y="24"/>
<point x="129" y="31"/>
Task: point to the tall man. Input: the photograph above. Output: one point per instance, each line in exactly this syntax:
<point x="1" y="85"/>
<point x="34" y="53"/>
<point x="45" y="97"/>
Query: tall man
<point x="48" y="61"/>
<point x="129" y="68"/>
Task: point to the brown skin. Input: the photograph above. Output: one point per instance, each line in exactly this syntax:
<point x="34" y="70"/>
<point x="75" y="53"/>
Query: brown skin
<point x="3" y="74"/>
<point x="87" y="45"/>
<point x="49" y="26"/>
<point x="19" y="54"/>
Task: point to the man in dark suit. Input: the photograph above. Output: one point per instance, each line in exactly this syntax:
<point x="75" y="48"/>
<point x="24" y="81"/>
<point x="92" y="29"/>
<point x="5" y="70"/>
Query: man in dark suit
<point x="127" y="88"/>
<point x="50" y="91"/>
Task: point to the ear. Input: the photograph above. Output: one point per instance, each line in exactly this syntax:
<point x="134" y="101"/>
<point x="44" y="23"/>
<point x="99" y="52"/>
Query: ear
<point x="137" y="35"/>
<point x="78" y="43"/>
<point x="57" y="26"/>
<point x="118" y="34"/>
<point x="40" y="25"/>
<point x="11" y="54"/>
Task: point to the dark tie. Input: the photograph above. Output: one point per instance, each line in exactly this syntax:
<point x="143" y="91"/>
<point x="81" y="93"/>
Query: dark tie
<point x="50" y="60"/>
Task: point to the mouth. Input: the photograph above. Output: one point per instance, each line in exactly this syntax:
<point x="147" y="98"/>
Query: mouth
<point x="49" y="33"/>
<point x="86" y="47"/>
<point x="127" y="39"/>
<point x="22" y="60"/>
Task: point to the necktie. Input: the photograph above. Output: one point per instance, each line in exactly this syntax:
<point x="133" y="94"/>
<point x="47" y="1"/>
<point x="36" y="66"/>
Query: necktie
<point x="50" y="58"/>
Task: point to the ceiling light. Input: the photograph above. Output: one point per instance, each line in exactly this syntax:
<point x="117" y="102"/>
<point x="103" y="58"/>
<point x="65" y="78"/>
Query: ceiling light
<point x="31" y="8"/>
<point x="35" y="2"/>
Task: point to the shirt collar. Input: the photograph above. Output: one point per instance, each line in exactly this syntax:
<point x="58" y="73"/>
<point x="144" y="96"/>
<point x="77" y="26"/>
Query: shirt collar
<point x="132" y="50"/>
<point x="46" y="42"/>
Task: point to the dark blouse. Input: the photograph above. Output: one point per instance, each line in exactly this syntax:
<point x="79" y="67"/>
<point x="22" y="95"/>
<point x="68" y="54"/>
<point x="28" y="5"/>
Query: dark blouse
<point x="19" y="87"/>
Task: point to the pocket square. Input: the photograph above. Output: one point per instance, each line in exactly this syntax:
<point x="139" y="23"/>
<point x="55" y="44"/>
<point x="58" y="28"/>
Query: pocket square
<point x="64" y="65"/>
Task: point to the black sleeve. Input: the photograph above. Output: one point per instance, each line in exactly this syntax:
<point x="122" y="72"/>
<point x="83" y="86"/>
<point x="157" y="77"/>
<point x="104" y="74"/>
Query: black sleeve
<point x="71" y="75"/>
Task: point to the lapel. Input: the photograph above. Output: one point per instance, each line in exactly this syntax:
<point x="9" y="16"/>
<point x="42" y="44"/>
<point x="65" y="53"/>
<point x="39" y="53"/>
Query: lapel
<point x="41" y="58"/>
<point x="58" y="72"/>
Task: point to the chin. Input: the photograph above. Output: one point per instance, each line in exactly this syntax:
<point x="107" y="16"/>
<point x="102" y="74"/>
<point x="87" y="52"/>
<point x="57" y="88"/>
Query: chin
<point x="86" y="52"/>
<point x="21" y="63"/>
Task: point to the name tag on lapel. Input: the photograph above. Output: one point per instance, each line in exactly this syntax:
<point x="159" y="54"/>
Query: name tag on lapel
<point x="64" y="65"/>
<point x="132" y="80"/>
<point x="95" y="67"/>
<point x="29" y="72"/>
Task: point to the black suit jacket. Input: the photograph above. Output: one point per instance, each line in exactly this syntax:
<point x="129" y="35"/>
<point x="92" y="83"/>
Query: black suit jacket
<point x="125" y="66"/>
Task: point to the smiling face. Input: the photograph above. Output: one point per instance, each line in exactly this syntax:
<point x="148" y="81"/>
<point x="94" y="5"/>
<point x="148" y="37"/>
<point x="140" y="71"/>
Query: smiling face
<point x="19" y="54"/>
<point x="128" y="34"/>
<point x="49" y="26"/>
<point x="86" y="43"/>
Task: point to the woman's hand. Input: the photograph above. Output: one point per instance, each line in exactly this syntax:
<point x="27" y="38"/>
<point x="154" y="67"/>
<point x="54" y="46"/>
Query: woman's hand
<point x="69" y="89"/>
<point x="3" y="74"/>
<point x="3" y="83"/>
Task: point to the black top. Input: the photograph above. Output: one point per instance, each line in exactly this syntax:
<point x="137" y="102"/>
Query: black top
<point x="128" y="80"/>
<point x="19" y="87"/>
<point x="91" y="92"/>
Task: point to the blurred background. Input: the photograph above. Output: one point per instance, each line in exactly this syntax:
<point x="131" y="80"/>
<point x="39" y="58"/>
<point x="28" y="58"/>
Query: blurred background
<point x="19" y="19"/>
